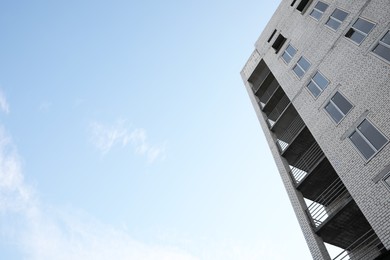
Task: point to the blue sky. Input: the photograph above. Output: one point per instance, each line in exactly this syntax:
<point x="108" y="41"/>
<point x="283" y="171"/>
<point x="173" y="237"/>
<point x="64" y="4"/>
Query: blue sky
<point x="126" y="133"/>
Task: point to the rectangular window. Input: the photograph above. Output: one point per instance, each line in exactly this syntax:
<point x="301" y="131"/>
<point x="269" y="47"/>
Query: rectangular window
<point x="303" y="4"/>
<point x="319" y="10"/>
<point x="336" y="18"/>
<point x="301" y="67"/>
<point x="293" y="2"/>
<point x="317" y="84"/>
<point x="288" y="53"/>
<point x="386" y="180"/>
<point x="367" y="139"/>
<point x="278" y="43"/>
<point x="359" y="30"/>
<point x="272" y="35"/>
<point x="337" y="107"/>
<point x="382" y="49"/>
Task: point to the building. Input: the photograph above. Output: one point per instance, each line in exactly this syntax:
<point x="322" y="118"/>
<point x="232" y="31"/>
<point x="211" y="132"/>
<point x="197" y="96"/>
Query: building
<point x="319" y="81"/>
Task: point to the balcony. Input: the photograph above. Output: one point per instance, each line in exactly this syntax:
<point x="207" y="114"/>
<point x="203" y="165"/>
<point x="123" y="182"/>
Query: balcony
<point x="278" y="110"/>
<point x="306" y="163"/>
<point x="261" y="82"/>
<point x="317" y="179"/>
<point x="298" y="146"/>
<point x="336" y="217"/>
<point x="286" y="138"/>
<point x="329" y="201"/>
<point x="368" y="246"/>
<point x="270" y="95"/>
<point x="259" y="75"/>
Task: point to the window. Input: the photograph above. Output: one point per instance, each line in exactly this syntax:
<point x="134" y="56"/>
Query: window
<point x="303" y="4"/>
<point x="301" y="67"/>
<point x="278" y="43"/>
<point x="359" y="30"/>
<point x="382" y="49"/>
<point x="293" y="2"/>
<point x="318" y="10"/>
<point x="336" y="18"/>
<point x="317" y="84"/>
<point x="386" y="180"/>
<point x="272" y="35"/>
<point x="337" y="107"/>
<point x="288" y="53"/>
<point x="367" y="139"/>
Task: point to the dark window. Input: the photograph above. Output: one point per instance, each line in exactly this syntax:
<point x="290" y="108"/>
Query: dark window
<point x="336" y="18"/>
<point x="382" y="49"/>
<point x="359" y="30"/>
<point x="272" y="35"/>
<point x="278" y="43"/>
<point x="301" y="67"/>
<point x="293" y="2"/>
<point x="288" y="53"/>
<point x="367" y="139"/>
<point x="337" y="107"/>
<point x="318" y="10"/>
<point x="317" y="84"/>
<point x="302" y="5"/>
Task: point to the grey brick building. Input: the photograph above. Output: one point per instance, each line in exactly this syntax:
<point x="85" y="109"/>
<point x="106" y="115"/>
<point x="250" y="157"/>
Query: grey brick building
<point x="319" y="81"/>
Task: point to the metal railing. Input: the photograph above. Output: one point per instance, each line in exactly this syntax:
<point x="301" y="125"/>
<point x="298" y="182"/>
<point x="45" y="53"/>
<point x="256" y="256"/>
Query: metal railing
<point x="290" y="133"/>
<point x="306" y="163"/>
<point x="256" y="87"/>
<point x="328" y="202"/>
<point x="278" y="110"/>
<point x="267" y="95"/>
<point x="367" y="246"/>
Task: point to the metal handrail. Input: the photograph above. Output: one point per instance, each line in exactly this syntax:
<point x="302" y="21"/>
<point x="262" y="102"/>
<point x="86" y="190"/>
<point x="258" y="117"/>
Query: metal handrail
<point x="278" y="110"/>
<point x="271" y="90"/>
<point x="367" y="246"/>
<point x="328" y="202"/>
<point x="259" y="85"/>
<point x="328" y="194"/>
<point x="290" y="133"/>
<point x="306" y="163"/>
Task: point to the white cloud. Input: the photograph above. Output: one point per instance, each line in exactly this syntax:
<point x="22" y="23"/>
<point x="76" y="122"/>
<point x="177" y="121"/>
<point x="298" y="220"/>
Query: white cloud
<point x="104" y="138"/>
<point x="63" y="236"/>
<point x="14" y="195"/>
<point x="3" y="103"/>
<point x="45" y="233"/>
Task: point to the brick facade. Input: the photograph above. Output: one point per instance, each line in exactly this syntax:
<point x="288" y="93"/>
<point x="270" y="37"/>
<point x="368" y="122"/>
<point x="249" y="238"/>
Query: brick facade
<point x="359" y="75"/>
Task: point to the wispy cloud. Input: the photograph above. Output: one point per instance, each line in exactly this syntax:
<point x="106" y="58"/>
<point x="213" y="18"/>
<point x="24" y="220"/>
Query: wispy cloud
<point x="105" y="137"/>
<point x="43" y="232"/>
<point x="14" y="194"/>
<point x="3" y="103"/>
<point x="46" y="233"/>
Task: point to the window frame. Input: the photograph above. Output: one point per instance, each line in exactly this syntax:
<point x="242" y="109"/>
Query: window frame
<point x="304" y="5"/>
<point x="333" y="18"/>
<point x="272" y="36"/>
<point x="318" y="10"/>
<point x="278" y="43"/>
<point x="359" y="31"/>
<point x="378" y="42"/>
<point x="384" y="180"/>
<point x="293" y="2"/>
<point x="376" y="151"/>
<point x="338" y="109"/>
<point x="285" y="51"/>
<point x="297" y="64"/>
<point x="315" y="83"/>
